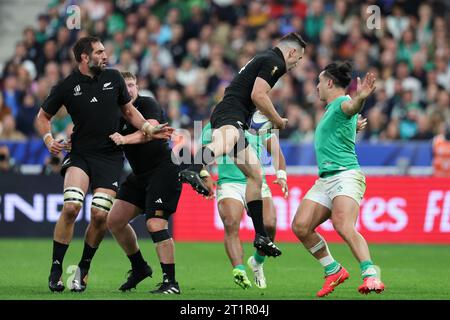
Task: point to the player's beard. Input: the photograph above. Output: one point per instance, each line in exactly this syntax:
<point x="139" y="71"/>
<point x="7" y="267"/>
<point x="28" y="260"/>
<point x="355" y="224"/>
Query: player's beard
<point x="96" y="68"/>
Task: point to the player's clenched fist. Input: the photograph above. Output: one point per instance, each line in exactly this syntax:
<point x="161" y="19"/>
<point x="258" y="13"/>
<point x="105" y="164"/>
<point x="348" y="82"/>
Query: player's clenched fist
<point x="118" y="139"/>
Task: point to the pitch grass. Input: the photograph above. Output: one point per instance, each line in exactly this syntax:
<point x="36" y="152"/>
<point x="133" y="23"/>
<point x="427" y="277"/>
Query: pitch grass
<point x="203" y="271"/>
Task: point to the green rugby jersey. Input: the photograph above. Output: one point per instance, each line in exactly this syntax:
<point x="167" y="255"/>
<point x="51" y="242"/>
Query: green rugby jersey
<point x="228" y="172"/>
<point x="334" y="140"/>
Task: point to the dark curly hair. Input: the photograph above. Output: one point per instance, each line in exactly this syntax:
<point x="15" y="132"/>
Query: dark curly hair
<point x="339" y="72"/>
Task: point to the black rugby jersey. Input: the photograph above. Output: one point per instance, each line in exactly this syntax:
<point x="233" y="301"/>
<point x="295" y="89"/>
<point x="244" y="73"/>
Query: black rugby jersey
<point x="145" y="156"/>
<point x="94" y="105"/>
<point x="268" y="65"/>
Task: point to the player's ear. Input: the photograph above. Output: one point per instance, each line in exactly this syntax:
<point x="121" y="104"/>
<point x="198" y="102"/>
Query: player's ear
<point x="84" y="57"/>
<point x="292" y="52"/>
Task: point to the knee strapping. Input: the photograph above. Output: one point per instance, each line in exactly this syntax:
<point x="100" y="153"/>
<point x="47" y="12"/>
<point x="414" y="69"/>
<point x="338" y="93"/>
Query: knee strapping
<point x="160" y="235"/>
<point x="102" y="201"/>
<point x="74" y="195"/>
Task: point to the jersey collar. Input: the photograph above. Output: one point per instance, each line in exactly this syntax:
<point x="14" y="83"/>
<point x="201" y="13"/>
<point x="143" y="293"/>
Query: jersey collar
<point x="84" y="77"/>
<point x="280" y="54"/>
<point x="340" y="97"/>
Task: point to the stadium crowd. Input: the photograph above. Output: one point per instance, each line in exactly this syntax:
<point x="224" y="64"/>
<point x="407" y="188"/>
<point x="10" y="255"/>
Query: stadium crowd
<point x="185" y="52"/>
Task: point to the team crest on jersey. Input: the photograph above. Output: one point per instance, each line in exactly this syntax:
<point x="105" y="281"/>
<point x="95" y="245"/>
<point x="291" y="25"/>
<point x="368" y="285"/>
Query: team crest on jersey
<point x="77" y="91"/>
<point x="275" y="68"/>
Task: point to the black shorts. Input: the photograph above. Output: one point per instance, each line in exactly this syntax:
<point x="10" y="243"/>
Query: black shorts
<point x="158" y="189"/>
<point x="103" y="171"/>
<point x="230" y="112"/>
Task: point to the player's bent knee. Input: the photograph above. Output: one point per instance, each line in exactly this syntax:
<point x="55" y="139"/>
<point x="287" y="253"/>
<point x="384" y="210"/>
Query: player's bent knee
<point x="231" y="224"/>
<point x="160" y="236"/>
<point x="98" y="217"/>
<point x="114" y="222"/>
<point x="70" y="211"/>
<point x="300" y="230"/>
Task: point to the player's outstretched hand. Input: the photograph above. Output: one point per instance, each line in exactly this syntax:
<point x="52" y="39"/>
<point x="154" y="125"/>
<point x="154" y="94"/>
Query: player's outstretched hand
<point x="117" y="138"/>
<point x="361" y="124"/>
<point x="367" y="86"/>
<point x="284" y="187"/>
<point x="162" y="131"/>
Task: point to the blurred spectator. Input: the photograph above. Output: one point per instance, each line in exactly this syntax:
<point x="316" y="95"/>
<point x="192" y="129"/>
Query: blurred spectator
<point x="8" y="130"/>
<point x="392" y="131"/>
<point x="6" y="163"/>
<point x="397" y="23"/>
<point x="50" y="51"/>
<point x="315" y="21"/>
<point x="27" y="113"/>
<point x="342" y="19"/>
<point x="4" y="109"/>
<point x="52" y="165"/>
<point x="376" y="122"/>
<point x="441" y="154"/>
<point x="441" y="108"/>
<point x="305" y="130"/>
<point x="33" y="48"/>
<point x="11" y="94"/>
<point x="423" y="129"/>
<point x="20" y="55"/>
<point x="408" y="46"/>
<point x="188" y="73"/>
